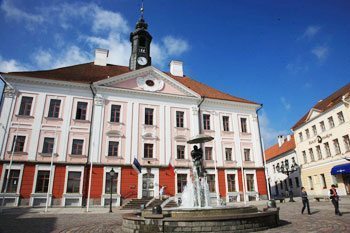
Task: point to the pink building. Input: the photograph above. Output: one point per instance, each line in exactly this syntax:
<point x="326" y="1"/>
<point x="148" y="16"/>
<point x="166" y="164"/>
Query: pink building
<point x="102" y="116"/>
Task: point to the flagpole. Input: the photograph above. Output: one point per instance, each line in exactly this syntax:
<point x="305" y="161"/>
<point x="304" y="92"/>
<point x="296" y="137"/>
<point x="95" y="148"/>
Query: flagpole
<point x="217" y="182"/>
<point x="9" y="168"/>
<point x="49" y="188"/>
<point x="243" y="183"/>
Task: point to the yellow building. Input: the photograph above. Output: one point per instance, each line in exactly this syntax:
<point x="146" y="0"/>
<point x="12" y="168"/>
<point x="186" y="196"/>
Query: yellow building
<point x="322" y="138"/>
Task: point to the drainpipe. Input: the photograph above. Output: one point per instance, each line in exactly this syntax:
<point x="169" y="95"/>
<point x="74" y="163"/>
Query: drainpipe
<point x="89" y="151"/>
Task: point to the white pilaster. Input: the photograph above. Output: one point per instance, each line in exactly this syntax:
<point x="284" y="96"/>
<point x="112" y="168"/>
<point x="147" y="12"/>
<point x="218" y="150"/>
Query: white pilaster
<point x="218" y="140"/>
<point x="168" y="134"/>
<point x="135" y="131"/>
<point x="164" y="131"/>
<point x="96" y="135"/>
<point x="67" y="115"/>
<point x="258" y="158"/>
<point x="194" y="130"/>
<point x="128" y="125"/>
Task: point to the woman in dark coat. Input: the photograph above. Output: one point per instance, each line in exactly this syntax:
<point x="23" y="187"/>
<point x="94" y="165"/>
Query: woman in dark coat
<point x="305" y="201"/>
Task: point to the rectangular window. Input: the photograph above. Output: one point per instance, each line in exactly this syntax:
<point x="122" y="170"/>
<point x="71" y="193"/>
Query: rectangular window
<point x="340" y="117"/>
<point x="323" y="181"/>
<point x="336" y="146"/>
<point x="311" y="184"/>
<point x="228" y="154"/>
<point x="250" y="182"/>
<point x="148" y="151"/>
<point x="323" y="126"/>
<point x="319" y="152"/>
<point x="13" y="181"/>
<point x="301" y="136"/>
<point x="330" y="122"/>
<point x="246" y="154"/>
<point x="18" y="143"/>
<point x="115" y="113"/>
<point x="346" y="141"/>
<point x="73" y="183"/>
<point x="328" y="150"/>
<point x="180" y="119"/>
<point x="312" y="157"/>
<point x="149" y="116"/>
<point x="297" y="182"/>
<point x="42" y="181"/>
<point x="180" y="152"/>
<point x="181" y="182"/>
<point x="231" y="182"/>
<point x="206" y="121"/>
<point x="244" y="128"/>
<point x="26" y="106"/>
<point x="108" y="183"/>
<point x="77" y="147"/>
<point x="226" y="123"/>
<point x="113" y="148"/>
<point x="304" y="157"/>
<point x="54" y="108"/>
<point x="307" y="132"/>
<point x="208" y="153"/>
<point x="48" y="145"/>
<point x="314" y="130"/>
<point x="211" y="182"/>
<point x="81" y="111"/>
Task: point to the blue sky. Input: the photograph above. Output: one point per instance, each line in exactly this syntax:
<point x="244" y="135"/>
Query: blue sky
<point x="284" y="54"/>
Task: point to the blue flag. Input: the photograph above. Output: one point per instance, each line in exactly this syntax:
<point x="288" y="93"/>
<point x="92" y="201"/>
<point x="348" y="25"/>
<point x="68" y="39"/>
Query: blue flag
<point x="136" y="165"/>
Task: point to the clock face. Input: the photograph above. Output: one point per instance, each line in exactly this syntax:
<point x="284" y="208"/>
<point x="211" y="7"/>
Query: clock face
<point x="142" y="61"/>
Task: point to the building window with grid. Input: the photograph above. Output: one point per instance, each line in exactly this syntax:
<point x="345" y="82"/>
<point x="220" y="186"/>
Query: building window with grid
<point x="304" y="157"/>
<point x="81" y="111"/>
<point x="312" y="157"/>
<point x="18" y="143"/>
<point x="340" y="117"/>
<point x="180" y="152"/>
<point x="319" y="152"/>
<point x="330" y="122"/>
<point x="328" y="150"/>
<point x="336" y="146"/>
<point x="77" y="146"/>
<point x="54" y="108"/>
<point x="314" y="130"/>
<point x="244" y="126"/>
<point x="346" y="141"/>
<point x="246" y="153"/>
<point x="323" y="126"/>
<point x="323" y="181"/>
<point x="297" y="182"/>
<point x="42" y="181"/>
<point x="231" y="183"/>
<point x="48" y="145"/>
<point x="228" y="154"/>
<point x="226" y="123"/>
<point x="13" y="181"/>
<point x="113" y="148"/>
<point x="211" y="182"/>
<point x="115" y="113"/>
<point x="301" y="136"/>
<point x="181" y="182"/>
<point x="73" y="183"/>
<point x="26" y="106"/>
<point x="206" y="121"/>
<point x="250" y="182"/>
<point x="108" y="183"/>
<point x="208" y="153"/>
<point x="180" y="119"/>
<point x="307" y="132"/>
<point x="148" y="151"/>
<point x="149" y="116"/>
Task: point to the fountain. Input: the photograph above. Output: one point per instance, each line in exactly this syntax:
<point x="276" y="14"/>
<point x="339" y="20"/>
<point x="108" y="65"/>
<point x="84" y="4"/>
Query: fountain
<point x="195" y="213"/>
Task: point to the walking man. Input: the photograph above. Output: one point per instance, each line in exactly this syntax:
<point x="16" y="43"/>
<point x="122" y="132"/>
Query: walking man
<point x="305" y="201"/>
<point x="335" y="199"/>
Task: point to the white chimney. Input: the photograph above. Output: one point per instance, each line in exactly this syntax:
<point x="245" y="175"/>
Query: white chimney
<point x="176" y="68"/>
<point x="101" y="57"/>
<point x="288" y="137"/>
<point x="280" y="139"/>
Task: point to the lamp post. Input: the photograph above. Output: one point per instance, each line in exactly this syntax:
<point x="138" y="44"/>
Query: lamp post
<point x="286" y="170"/>
<point x="111" y="175"/>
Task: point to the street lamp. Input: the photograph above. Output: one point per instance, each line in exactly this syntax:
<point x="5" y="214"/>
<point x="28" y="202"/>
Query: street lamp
<point x="286" y="170"/>
<point x="111" y="175"/>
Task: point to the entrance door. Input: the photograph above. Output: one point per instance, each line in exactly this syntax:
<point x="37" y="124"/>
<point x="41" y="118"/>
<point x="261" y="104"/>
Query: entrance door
<point x="346" y="179"/>
<point x="148" y="185"/>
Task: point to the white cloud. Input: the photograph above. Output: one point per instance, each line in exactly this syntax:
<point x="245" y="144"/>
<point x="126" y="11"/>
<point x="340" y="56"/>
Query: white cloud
<point x="175" y="46"/>
<point x="11" y="65"/>
<point x="297" y="67"/>
<point x="321" y="52"/>
<point x="285" y="103"/>
<point x="311" y="31"/>
<point x="268" y="133"/>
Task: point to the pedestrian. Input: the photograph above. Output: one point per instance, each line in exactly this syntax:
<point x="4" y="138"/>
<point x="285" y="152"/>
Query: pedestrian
<point x="335" y="199"/>
<point x="305" y="201"/>
<point x="161" y="192"/>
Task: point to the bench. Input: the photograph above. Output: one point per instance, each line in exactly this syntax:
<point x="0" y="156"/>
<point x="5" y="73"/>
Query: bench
<point x="281" y="199"/>
<point x="318" y="198"/>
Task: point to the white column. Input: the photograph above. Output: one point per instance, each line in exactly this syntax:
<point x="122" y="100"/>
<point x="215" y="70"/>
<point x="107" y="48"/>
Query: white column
<point x="258" y="156"/>
<point x="38" y="115"/>
<point x="164" y="131"/>
<point x="135" y="131"/>
<point x="128" y="125"/>
<point x="218" y="139"/>
<point x="67" y="116"/>
<point x="194" y="129"/>
<point x="167" y="134"/>
<point x="96" y="137"/>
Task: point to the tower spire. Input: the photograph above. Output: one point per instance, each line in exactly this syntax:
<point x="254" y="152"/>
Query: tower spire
<point x="142" y="9"/>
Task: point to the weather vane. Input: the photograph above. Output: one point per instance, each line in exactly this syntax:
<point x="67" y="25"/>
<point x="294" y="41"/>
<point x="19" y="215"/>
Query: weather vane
<point x="142" y="9"/>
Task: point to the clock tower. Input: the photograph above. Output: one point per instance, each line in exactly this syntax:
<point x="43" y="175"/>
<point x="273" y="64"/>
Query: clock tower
<point x="140" y="45"/>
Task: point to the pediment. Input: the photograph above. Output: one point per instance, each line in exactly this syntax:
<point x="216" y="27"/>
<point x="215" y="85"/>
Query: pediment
<point x="312" y="114"/>
<point x="148" y="79"/>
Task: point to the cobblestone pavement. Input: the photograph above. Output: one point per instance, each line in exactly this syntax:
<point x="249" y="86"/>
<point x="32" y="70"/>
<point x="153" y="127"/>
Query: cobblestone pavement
<point x="67" y="220"/>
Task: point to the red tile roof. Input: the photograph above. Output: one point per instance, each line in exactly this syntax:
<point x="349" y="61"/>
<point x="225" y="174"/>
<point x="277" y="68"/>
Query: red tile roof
<point x="88" y="73"/>
<point x="275" y="150"/>
<point x="325" y="104"/>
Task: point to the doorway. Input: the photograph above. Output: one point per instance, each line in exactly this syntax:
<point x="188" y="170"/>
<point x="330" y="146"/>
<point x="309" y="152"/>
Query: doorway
<point x="148" y="185"/>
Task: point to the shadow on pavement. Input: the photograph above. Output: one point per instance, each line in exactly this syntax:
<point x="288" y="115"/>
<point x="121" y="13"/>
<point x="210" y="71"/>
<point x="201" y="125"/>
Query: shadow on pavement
<point x="21" y="220"/>
<point x="283" y="223"/>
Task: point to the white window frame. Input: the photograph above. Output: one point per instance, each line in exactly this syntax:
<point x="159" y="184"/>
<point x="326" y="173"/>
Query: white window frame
<point x="75" y="106"/>
<point x="25" y="94"/>
<point x="250" y="154"/>
<point x="228" y="194"/>
<point x="34" y="195"/>
<point x="211" y="122"/>
<point x="256" y="192"/>
<point x="71" y="145"/>
<point x="233" y="157"/>
<point x="178" y="143"/>
<point x="113" y="139"/>
<point x="248" y="124"/>
<point x="105" y="195"/>
<point x="181" y="171"/>
<point x="16" y="195"/>
<point x="47" y="109"/>
<point x="154" y="115"/>
<point x="73" y="195"/>
<point x="185" y="118"/>
<point x="230" y="123"/>
<point x="109" y="109"/>
<point x="12" y="136"/>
